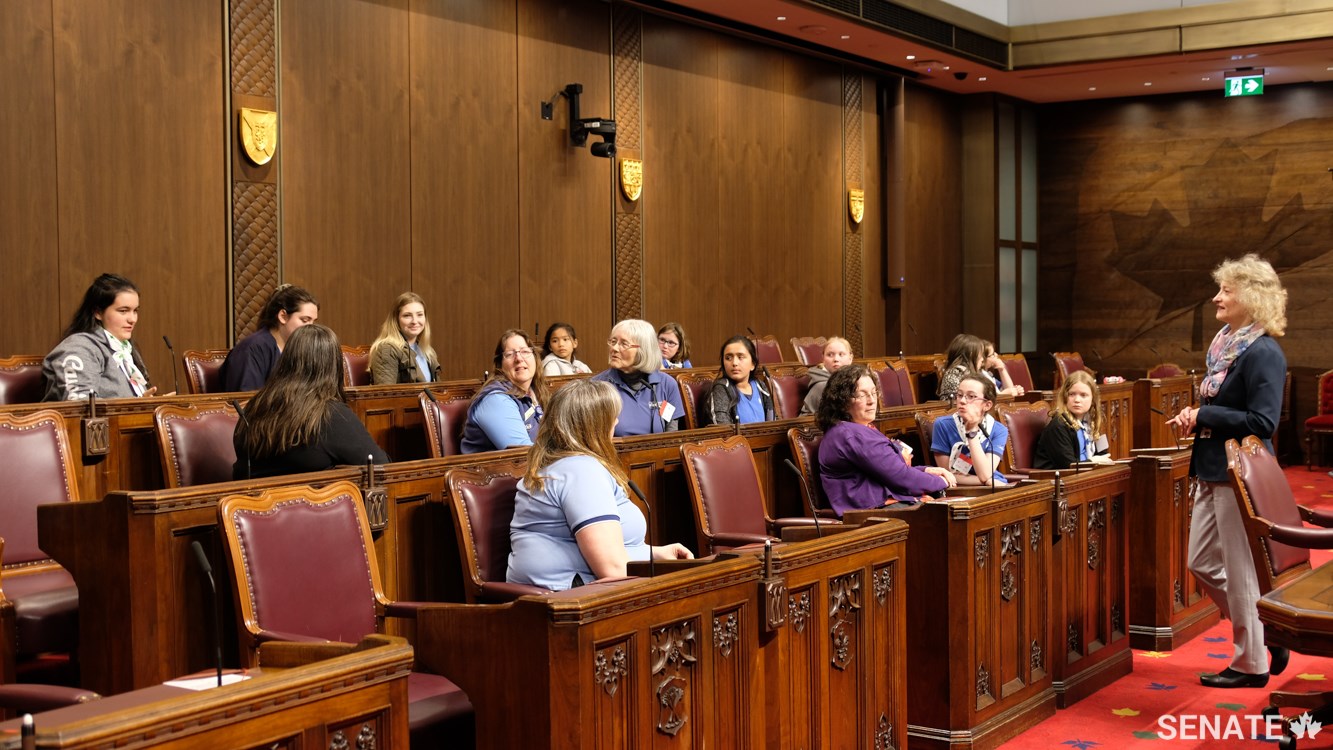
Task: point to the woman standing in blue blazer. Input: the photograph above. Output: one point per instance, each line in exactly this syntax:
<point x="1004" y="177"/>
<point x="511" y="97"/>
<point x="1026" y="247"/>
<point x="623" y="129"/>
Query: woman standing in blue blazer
<point x="1240" y="396"/>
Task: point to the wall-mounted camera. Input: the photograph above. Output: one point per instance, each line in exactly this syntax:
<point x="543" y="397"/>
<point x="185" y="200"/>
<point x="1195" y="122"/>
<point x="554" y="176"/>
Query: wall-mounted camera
<point x="581" y="127"/>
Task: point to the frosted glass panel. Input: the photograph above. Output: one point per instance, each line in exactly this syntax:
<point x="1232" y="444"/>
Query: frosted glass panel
<point x="1029" y="173"/>
<point x="1008" y="295"/>
<point x="1029" y="301"/>
<point x="1004" y="184"/>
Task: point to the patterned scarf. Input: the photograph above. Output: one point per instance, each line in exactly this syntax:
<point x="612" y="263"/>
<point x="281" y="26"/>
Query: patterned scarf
<point x="123" y="353"/>
<point x="1224" y="350"/>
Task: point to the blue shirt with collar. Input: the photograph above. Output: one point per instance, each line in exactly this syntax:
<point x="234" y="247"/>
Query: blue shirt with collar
<point x="637" y="416"/>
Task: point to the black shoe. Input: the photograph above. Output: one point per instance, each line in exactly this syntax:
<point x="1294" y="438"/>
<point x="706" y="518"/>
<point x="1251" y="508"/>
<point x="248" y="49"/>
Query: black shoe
<point x="1278" y="658"/>
<point x="1230" y="678"/>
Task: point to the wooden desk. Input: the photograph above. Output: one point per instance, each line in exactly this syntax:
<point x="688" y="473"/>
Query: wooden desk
<point x="1168" y="396"/>
<point x="981" y="641"/>
<point x="1118" y="411"/>
<point x="392" y="414"/>
<point x="1299" y="616"/>
<point x="1167" y="607"/>
<point x="685" y="659"/>
<point x="357" y="699"/>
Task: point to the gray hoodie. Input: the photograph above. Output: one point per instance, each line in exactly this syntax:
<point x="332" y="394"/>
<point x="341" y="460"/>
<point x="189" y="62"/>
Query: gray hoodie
<point x="818" y="382"/>
<point x="83" y="364"/>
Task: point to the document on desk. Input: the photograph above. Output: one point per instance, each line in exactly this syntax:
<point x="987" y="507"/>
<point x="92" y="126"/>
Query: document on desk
<point x="209" y="681"/>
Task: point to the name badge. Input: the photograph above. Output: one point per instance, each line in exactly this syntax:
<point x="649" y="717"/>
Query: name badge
<point x="959" y="462"/>
<point x="1102" y="444"/>
<point x="666" y="409"/>
<point x="528" y="414"/>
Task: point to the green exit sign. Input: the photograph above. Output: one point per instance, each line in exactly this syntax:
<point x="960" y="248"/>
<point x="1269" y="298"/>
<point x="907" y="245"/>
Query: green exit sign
<point x="1244" y="86"/>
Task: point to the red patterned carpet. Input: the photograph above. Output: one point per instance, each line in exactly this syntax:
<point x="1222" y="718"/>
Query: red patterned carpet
<point x="1162" y="705"/>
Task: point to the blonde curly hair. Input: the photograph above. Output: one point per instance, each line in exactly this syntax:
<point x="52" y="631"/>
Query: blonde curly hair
<point x="1258" y="289"/>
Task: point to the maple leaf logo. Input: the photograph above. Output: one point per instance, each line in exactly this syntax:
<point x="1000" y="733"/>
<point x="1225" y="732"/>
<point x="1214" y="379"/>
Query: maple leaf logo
<point x="1226" y="197"/>
<point x="1305" y="727"/>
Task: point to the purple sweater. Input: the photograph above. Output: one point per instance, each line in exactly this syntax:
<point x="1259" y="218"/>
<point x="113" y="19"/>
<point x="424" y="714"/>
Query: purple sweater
<point x="860" y="468"/>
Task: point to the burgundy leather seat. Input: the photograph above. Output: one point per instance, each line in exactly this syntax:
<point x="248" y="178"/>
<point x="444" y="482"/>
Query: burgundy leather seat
<point x="483" y="502"/>
<point x="1067" y="363"/>
<point x="444" y="417"/>
<point x="728" y="500"/>
<point x="203" y="369"/>
<point x="21" y="380"/>
<point x="1166" y="370"/>
<point x="1264" y="493"/>
<point x="1321" y="424"/>
<point x="196" y="444"/>
<point x="356" y="365"/>
<point x="694" y="392"/>
<point x="767" y="349"/>
<point x="38" y="468"/>
<point x="1025" y="423"/>
<point x="804" y="444"/>
<point x="809" y="351"/>
<point x="788" y="384"/>
<point x="1017" y="365"/>
<point x="304" y="566"/>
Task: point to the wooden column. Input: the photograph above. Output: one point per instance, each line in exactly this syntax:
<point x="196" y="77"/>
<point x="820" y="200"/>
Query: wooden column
<point x="627" y="92"/>
<point x="853" y="262"/>
<point x="255" y="258"/>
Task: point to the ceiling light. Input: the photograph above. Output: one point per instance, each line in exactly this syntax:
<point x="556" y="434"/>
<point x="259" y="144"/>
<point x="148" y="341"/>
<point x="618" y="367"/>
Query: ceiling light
<point x="1147" y="83"/>
<point x="782" y="18"/>
<point x="982" y="78"/>
<point x="846" y="36"/>
<point x="1092" y="88"/>
<point x="1206" y="78"/>
<point x="913" y="57"/>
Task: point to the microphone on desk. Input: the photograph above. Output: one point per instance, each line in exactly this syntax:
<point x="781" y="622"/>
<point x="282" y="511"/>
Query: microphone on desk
<point x="814" y="513"/>
<point x="236" y="404"/>
<point x="205" y="566"/>
<point x="648" y="513"/>
<point x="175" y="379"/>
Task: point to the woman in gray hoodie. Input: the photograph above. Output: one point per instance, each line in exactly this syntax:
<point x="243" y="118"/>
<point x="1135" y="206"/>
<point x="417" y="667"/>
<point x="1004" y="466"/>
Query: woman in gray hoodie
<point x="97" y="354"/>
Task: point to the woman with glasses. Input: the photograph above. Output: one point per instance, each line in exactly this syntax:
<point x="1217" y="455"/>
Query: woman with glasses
<point x="573" y="521"/>
<point x="650" y="401"/>
<point x="970" y="442"/>
<point x="507" y="410"/>
<point x="860" y="467"/>
<point x="674" y="347"/>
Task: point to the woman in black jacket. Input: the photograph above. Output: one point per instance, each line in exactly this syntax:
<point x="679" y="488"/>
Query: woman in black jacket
<point x="1075" y="432"/>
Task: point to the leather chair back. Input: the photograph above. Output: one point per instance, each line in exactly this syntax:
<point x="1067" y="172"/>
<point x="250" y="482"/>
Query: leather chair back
<point x="1166" y="370"/>
<point x="788" y="384"/>
<point x="444" y="418"/>
<point x="1066" y="363"/>
<point x="356" y="365"/>
<point x="809" y="350"/>
<point x="925" y="430"/>
<point x="694" y="387"/>
<point x="36" y="468"/>
<point x="203" y="369"/>
<point x="1025" y="422"/>
<point x="768" y="349"/>
<point x="303" y="562"/>
<point x="1263" y="492"/>
<point x="804" y="444"/>
<point x="906" y="383"/>
<point x="21" y="380"/>
<point x="196" y="443"/>
<point x="483" y="498"/>
<point x="1325" y="404"/>
<point x="724" y="485"/>
<point x="1017" y="365"/>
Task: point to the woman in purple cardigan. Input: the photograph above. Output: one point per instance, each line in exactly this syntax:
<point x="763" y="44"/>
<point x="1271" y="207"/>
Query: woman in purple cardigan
<point x="858" y="465"/>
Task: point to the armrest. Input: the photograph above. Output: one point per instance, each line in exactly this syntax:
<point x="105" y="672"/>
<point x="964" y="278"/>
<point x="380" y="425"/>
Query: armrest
<point x="779" y="524"/>
<point x="1301" y="536"/>
<point x="499" y="592"/>
<point x="1318" y="517"/>
<point x="738" y="540"/>
<point x="266" y="636"/>
<point x="31" y="699"/>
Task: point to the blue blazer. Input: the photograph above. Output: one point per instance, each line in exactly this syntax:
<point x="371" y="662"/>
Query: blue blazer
<point x="1248" y="403"/>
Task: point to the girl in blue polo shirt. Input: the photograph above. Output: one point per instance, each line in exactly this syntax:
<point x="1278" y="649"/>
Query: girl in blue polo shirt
<point x="970" y="442"/>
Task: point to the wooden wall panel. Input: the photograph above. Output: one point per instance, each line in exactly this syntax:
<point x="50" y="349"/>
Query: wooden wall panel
<point x="464" y="222"/>
<point x="565" y="197"/>
<point x="744" y="145"/>
<point x="934" y="237"/>
<point x="880" y="339"/>
<point x="140" y="163"/>
<point x="27" y="163"/>
<point x="1139" y="200"/>
<point x="344" y="136"/>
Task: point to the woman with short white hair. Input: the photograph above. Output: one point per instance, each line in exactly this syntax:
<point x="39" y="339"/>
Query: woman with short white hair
<point x="650" y="401"/>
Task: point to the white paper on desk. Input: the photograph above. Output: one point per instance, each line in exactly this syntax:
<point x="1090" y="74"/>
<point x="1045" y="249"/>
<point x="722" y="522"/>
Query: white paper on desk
<point x="204" y="683"/>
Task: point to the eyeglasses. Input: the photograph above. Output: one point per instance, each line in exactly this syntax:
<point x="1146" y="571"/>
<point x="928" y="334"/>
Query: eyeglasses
<point x="514" y="353"/>
<point x="668" y="343"/>
<point x="620" y="345"/>
<point x="967" y="398"/>
<point x="865" y="397"/>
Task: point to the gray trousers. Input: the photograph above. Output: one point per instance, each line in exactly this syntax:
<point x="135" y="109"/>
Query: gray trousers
<point x="1219" y="556"/>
